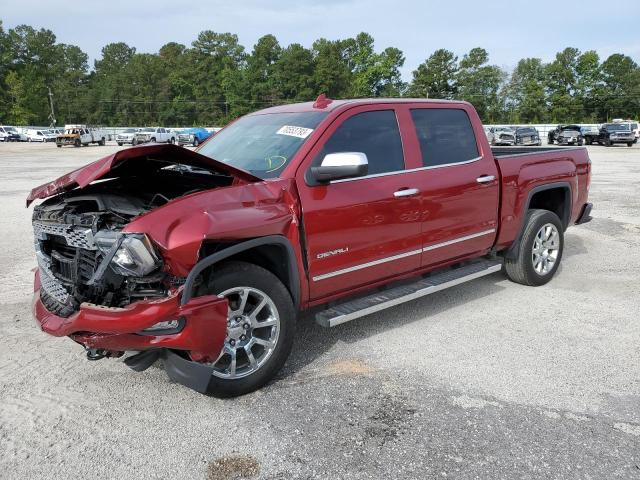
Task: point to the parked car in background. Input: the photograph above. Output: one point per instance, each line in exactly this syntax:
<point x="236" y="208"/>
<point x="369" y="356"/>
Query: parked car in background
<point x="81" y="135"/>
<point x="590" y="134"/>
<point x="633" y="124"/>
<point x="40" y="136"/>
<point x="502" y="136"/>
<point x="193" y="136"/>
<point x="570" y="135"/>
<point x="527" y="136"/>
<point x="206" y="263"/>
<point x="552" y="136"/>
<point x="9" y="134"/>
<point x="127" y="136"/>
<point x="155" y="135"/>
<point x="612" y="133"/>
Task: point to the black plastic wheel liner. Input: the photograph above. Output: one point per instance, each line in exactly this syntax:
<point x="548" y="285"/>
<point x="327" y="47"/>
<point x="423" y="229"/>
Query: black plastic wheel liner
<point x="194" y="375"/>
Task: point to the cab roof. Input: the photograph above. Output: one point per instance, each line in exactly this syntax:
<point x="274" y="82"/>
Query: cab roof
<point x="328" y="105"/>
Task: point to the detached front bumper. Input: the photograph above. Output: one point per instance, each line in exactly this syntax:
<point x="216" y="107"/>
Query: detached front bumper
<point x="202" y="320"/>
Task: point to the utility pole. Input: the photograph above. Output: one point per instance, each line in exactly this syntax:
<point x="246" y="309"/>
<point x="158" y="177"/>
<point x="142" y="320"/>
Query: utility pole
<point x="52" y="115"/>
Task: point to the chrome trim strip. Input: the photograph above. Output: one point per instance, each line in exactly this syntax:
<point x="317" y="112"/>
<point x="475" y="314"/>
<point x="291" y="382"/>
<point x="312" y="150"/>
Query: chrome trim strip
<point x="401" y="255"/>
<point x="457" y="240"/>
<point x="398" y="172"/>
<point x="366" y="265"/>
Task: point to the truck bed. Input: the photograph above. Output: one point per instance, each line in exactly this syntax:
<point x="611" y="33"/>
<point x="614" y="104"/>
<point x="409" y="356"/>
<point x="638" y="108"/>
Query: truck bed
<point x="523" y="169"/>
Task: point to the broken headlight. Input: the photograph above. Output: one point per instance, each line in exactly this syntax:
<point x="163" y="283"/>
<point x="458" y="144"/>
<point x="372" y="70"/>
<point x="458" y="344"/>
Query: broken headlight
<point x="136" y="256"/>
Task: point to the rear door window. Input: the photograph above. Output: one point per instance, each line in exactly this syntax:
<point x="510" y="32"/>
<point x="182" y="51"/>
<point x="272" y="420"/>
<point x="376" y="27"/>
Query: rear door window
<point x="376" y="134"/>
<point x="446" y="136"/>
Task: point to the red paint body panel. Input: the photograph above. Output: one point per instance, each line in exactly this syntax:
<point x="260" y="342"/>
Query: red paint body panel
<point x="360" y="219"/>
<point x="115" y="329"/>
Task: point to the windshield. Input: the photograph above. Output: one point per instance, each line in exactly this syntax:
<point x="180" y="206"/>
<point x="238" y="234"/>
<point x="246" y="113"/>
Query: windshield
<point x="262" y="144"/>
<point x="618" y="127"/>
<point x="148" y="129"/>
<point x="129" y="130"/>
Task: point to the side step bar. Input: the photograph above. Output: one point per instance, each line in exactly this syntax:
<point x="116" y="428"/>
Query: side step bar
<point x="375" y="302"/>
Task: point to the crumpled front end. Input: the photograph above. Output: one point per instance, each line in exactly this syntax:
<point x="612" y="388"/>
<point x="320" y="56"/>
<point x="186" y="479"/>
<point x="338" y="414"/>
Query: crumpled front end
<point x="197" y="327"/>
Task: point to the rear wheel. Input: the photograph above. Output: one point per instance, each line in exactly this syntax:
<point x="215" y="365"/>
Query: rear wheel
<point x="196" y="142"/>
<point x="260" y="328"/>
<point x="101" y="142"/>
<point x="540" y="251"/>
<point x="607" y="143"/>
<point x="119" y="144"/>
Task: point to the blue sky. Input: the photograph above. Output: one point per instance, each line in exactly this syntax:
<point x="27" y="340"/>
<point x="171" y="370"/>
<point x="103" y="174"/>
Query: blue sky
<point x="508" y="30"/>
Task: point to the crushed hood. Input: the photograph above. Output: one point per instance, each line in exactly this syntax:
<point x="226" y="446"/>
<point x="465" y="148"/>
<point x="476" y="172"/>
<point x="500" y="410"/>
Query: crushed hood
<point x="140" y="159"/>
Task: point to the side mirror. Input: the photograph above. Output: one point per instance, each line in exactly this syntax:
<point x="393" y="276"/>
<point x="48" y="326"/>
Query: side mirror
<point x="336" y="166"/>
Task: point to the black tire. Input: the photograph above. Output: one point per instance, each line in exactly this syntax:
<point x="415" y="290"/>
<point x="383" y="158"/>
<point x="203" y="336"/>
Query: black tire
<point x="102" y="142"/>
<point x="172" y="141"/>
<point x="134" y="142"/>
<point x="242" y="274"/>
<point x="119" y="144"/>
<point x="629" y="144"/>
<point x="521" y="269"/>
<point x="153" y="140"/>
<point x="77" y="143"/>
<point x="196" y="142"/>
<point x="607" y="143"/>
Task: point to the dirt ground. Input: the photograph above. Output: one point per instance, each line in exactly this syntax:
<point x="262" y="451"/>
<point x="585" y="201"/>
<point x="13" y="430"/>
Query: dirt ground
<point x="485" y="380"/>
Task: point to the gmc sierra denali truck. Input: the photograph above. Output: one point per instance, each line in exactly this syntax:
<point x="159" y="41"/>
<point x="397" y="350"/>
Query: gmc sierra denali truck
<point x="206" y="258"/>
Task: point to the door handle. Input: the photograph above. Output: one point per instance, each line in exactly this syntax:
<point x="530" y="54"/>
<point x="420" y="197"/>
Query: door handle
<point x="485" y="178"/>
<point x="406" y="192"/>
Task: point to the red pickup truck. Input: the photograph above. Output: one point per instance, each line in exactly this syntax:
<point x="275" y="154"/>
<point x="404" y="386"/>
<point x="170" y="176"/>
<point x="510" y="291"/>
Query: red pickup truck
<point x="206" y="258"/>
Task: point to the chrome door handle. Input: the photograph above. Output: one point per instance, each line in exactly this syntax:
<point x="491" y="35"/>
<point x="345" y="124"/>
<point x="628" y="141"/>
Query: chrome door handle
<point x="406" y="192"/>
<point x="486" y="179"/>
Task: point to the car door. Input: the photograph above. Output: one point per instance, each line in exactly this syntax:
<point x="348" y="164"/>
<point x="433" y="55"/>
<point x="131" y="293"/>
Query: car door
<point x="459" y="184"/>
<point x="360" y="230"/>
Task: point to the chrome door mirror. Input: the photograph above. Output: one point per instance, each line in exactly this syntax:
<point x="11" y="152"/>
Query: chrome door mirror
<point x="336" y="166"/>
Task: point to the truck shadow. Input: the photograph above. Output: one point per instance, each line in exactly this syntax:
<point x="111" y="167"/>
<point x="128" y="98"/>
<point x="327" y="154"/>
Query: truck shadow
<point x="312" y="341"/>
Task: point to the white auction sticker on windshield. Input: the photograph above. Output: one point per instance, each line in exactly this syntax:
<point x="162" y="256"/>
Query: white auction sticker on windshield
<point x="300" y="132"/>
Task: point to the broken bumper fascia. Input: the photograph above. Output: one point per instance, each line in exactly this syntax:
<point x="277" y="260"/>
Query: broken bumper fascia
<point x="116" y="330"/>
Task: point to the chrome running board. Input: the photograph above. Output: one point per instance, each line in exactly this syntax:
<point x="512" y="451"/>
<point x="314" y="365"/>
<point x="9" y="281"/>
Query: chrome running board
<point x="377" y="301"/>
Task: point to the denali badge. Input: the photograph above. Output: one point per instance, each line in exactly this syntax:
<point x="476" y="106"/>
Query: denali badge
<point x="330" y="253"/>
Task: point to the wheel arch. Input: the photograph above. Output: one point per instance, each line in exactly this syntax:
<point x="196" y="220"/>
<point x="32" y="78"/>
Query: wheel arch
<point x="554" y="197"/>
<point x="273" y="252"/>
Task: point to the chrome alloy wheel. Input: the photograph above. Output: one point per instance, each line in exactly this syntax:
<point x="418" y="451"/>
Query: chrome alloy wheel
<point x="546" y="246"/>
<point x="253" y="327"/>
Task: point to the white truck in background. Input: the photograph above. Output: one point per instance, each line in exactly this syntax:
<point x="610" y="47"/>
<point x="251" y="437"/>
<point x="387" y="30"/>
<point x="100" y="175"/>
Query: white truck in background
<point x="81" y="135"/>
<point x="155" y="135"/>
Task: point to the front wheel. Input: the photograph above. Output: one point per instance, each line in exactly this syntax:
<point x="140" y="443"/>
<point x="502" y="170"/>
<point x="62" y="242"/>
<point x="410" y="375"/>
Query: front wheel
<point x="540" y="251"/>
<point x="629" y="144"/>
<point x="260" y="328"/>
<point x="196" y="142"/>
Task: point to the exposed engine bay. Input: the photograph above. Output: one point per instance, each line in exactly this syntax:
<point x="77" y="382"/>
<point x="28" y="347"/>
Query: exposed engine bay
<point x="82" y="254"/>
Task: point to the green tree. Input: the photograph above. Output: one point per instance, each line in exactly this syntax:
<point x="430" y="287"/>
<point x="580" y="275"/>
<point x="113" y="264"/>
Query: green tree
<point x="436" y="76"/>
<point x="525" y="93"/>
<point x="293" y="74"/>
<point x="479" y="83"/>
<point x="562" y="85"/>
<point x="332" y="72"/>
<point x="621" y="87"/>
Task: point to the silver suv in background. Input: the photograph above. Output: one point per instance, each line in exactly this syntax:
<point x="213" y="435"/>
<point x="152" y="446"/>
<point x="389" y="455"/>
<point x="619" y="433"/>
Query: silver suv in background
<point x="127" y="136"/>
<point x="502" y="136"/>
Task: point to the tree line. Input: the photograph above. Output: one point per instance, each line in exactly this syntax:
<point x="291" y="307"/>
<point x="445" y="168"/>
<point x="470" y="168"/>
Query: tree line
<point x="216" y="79"/>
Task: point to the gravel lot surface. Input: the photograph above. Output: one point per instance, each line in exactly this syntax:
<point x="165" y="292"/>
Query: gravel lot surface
<point x="486" y="380"/>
